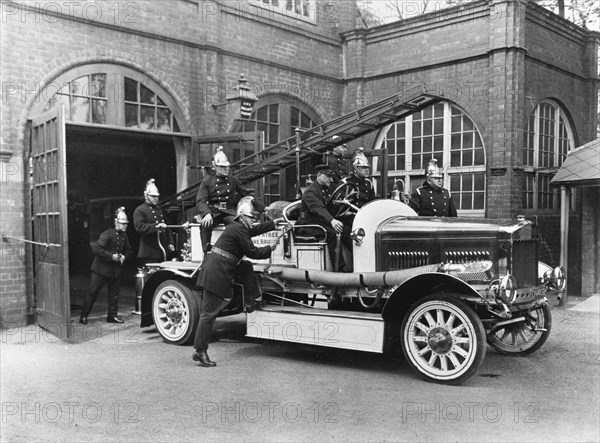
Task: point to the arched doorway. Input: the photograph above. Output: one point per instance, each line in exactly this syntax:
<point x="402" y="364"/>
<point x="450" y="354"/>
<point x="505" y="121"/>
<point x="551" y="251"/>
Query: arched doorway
<point x="120" y="129"/>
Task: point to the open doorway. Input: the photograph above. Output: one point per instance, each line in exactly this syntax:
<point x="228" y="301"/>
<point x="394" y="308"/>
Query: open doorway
<point x="107" y="169"/>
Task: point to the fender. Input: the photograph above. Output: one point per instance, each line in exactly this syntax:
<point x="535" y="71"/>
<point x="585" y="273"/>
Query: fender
<point x="405" y="294"/>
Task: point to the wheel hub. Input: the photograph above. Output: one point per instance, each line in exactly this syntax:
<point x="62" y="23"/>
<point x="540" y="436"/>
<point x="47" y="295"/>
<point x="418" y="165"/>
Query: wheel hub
<point x="439" y="340"/>
<point x="174" y="311"/>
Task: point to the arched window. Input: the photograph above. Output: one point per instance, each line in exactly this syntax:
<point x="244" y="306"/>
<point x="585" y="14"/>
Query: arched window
<point x="278" y="117"/>
<point x="444" y="132"/>
<point x="113" y="95"/>
<point x="548" y="138"/>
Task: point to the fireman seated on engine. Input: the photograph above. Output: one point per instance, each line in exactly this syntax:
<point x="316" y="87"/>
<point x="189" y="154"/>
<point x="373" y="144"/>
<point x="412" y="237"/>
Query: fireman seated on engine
<point x="314" y="211"/>
<point x="216" y="200"/>
<point x="360" y="186"/>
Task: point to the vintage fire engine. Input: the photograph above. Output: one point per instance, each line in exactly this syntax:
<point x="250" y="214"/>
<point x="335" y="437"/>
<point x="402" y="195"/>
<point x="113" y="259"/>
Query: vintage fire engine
<point x="438" y="289"/>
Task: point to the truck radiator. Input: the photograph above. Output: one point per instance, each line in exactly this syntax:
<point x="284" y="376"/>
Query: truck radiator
<point x="407" y="259"/>
<point x="524" y="262"/>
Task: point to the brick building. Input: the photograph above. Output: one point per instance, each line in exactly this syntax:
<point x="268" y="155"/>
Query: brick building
<point x="139" y="81"/>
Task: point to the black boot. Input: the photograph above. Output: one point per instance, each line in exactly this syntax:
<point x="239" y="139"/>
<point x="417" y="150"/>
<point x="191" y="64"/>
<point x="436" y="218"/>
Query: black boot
<point x="83" y="320"/>
<point x="202" y="358"/>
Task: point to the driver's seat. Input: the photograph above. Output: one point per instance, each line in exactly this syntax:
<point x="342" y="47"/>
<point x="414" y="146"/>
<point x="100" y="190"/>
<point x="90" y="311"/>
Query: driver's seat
<point x="304" y="233"/>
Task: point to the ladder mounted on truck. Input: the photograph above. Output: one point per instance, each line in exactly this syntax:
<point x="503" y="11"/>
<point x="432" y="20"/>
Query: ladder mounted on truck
<point x="316" y="140"/>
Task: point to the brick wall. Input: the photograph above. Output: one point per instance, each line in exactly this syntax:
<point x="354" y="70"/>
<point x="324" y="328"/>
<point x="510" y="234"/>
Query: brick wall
<point x="590" y="236"/>
<point x="481" y="56"/>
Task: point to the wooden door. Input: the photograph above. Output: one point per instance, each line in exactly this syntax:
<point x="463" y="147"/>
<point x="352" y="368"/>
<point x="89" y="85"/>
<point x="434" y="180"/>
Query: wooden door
<point x="49" y="213"/>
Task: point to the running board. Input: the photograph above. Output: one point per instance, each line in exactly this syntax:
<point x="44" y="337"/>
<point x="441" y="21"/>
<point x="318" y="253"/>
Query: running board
<point x="358" y="331"/>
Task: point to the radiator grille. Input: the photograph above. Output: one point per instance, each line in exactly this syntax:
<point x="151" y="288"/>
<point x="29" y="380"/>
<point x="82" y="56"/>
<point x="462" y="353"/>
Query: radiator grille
<point x="407" y="259"/>
<point x="524" y="262"/>
<point x="465" y="256"/>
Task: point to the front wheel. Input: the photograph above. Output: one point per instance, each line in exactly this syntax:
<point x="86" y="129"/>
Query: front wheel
<point x="175" y="312"/>
<point x="524" y="337"/>
<point x="443" y="339"/>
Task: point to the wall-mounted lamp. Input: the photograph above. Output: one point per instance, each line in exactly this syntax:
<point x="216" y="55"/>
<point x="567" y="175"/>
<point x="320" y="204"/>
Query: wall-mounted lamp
<point x="243" y="96"/>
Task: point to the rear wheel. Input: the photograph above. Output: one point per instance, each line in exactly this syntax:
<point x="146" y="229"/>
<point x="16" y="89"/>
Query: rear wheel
<point x="175" y="312"/>
<point x="524" y="337"/>
<point x="443" y="339"/>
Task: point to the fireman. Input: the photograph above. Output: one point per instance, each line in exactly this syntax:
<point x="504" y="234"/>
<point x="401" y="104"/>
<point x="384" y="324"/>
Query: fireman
<point x="216" y="199"/>
<point x="314" y="210"/>
<point x="111" y="250"/>
<point x="224" y="263"/>
<point x="148" y="219"/>
<point x="337" y="161"/>
<point x="431" y="199"/>
<point x="358" y="180"/>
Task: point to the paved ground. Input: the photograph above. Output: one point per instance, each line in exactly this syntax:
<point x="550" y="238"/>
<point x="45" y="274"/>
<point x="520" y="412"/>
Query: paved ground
<point x="120" y="383"/>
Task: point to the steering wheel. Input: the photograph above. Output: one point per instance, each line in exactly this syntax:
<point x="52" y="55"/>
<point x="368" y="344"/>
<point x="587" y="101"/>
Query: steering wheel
<point x="343" y="198"/>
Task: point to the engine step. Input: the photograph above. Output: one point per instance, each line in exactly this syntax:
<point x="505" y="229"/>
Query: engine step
<point x="334" y="329"/>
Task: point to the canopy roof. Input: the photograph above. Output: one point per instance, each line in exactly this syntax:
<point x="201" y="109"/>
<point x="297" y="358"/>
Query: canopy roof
<point x="581" y="167"/>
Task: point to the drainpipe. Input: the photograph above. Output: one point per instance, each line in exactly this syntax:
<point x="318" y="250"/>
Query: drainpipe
<point x="564" y="236"/>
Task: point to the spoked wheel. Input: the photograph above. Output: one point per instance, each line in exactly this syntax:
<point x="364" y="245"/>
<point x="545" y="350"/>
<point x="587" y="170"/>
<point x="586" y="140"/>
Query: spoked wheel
<point x="443" y="339"/>
<point x="175" y="312"/>
<point x="524" y="337"/>
<point x="343" y="198"/>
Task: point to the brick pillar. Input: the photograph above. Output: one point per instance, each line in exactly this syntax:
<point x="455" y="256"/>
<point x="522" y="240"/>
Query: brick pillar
<point x="354" y="53"/>
<point x="505" y="96"/>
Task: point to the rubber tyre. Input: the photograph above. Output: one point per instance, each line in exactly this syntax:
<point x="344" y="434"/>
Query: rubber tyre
<point x="518" y="339"/>
<point x="175" y="312"/>
<point x="443" y="339"/>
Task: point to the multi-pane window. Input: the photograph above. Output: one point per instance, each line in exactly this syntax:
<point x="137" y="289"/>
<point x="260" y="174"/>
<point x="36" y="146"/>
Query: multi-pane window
<point x="112" y="98"/>
<point x="548" y="138"/>
<point x="145" y="110"/>
<point x="278" y="121"/>
<point x="444" y="132"/>
<point x="84" y="99"/>
<point x="304" y="9"/>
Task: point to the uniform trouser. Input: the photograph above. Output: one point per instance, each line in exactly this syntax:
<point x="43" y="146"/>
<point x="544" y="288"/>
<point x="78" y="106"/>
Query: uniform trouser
<point x="244" y="275"/>
<point x="96" y="284"/>
<point x="331" y="244"/>
<point x="206" y="233"/>
<point x="210" y="305"/>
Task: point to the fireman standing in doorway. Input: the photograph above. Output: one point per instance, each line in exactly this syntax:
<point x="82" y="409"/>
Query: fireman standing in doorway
<point x="148" y="219"/>
<point x="223" y="264"/>
<point x="216" y="199"/>
<point x="432" y="199"/>
<point x="110" y="252"/>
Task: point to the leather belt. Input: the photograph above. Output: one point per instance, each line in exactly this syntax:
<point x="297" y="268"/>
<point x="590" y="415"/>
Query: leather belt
<point x="220" y="205"/>
<point x="225" y="254"/>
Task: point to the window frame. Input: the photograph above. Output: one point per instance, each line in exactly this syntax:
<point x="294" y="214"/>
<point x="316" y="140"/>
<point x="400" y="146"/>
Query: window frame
<point x="414" y="177"/>
<point x="285" y="104"/>
<point x="536" y="178"/>
<point x="278" y="7"/>
<point x="115" y="94"/>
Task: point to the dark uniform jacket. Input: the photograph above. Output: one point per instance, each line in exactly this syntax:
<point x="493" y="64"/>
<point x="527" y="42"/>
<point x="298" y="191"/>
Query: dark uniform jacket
<point x="339" y="166"/>
<point x="110" y="242"/>
<point x="364" y="187"/>
<point x="313" y="209"/>
<point x="145" y="219"/>
<point x="427" y="201"/>
<point x="217" y="271"/>
<point x="215" y="190"/>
